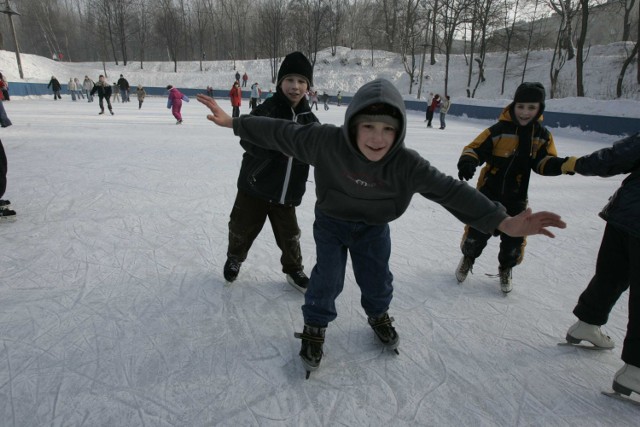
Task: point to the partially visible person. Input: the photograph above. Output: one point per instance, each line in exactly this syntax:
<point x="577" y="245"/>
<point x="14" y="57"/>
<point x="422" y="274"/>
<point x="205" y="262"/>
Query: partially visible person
<point x="55" y="86"/>
<point x="140" y="94"/>
<point x="255" y="95"/>
<point x="72" y="88"/>
<point x="313" y="95"/>
<point x="174" y="102"/>
<point x="123" y="86"/>
<point x="365" y="177"/>
<point x="210" y="91"/>
<point x="511" y="149"/>
<point x="444" y="109"/>
<point x="429" y="112"/>
<point x="271" y="184"/>
<point x="5" y="212"/>
<point x="79" y="91"/>
<point x="433" y="109"/>
<point x="339" y="96"/>
<point x="87" y="86"/>
<point x="115" y="92"/>
<point x="235" y="96"/>
<point x="617" y="266"/>
<point x="103" y="89"/>
<point x="325" y="100"/>
<point x="245" y="79"/>
<point x="4" y="87"/>
<point x="238" y="77"/>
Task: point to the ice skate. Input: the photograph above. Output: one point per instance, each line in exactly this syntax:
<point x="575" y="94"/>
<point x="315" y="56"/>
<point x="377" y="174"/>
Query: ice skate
<point x="7" y="215"/>
<point x="582" y="331"/>
<point x="231" y="269"/>
<point x="311" y="350"/>
<point x="464" y="267"/>
<point x="4" y="204"/>
<point x="505" y="279"/>
<point x="298" y="280"/>
<point x="627" y="380"/>
<point x="385" y="332"/>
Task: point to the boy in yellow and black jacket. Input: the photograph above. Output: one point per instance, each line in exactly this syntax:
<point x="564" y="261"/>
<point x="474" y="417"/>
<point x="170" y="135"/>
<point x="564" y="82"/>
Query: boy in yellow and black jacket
<point x="510" y="149"/>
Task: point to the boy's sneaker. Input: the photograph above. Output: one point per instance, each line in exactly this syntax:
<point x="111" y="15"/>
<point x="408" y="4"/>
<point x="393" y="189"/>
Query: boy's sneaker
<point x="7" y="215"/>
<point x="464" y="267"/>
<point x="385" y="332"/>
<point x="298" y="280"/>
<point x="4" y="204"/>
<point x="111" y="111"/>
<point x="101" y="112"/>
<point x="231" y="269"/>
<point x="179" y="122"/>
<point x="505" y="279"/>
<point x="311" y="349"/>
<point x="580" y="331"/>
<point x="627" y="380"/>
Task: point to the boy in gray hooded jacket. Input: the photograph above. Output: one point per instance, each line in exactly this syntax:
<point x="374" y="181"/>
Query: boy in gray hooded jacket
<point x="365" y="177"/>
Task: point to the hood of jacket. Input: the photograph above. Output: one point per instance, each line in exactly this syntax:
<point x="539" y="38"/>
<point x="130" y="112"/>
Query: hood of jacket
<point x="375" y="92"/>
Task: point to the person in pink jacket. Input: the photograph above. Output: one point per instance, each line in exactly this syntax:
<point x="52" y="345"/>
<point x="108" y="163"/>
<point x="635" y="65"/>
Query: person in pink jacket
<point x="175" y="102"/>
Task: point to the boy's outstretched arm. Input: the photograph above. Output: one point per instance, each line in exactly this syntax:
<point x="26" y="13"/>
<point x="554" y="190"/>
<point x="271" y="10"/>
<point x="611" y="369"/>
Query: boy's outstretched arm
<point x="527" y="223"/>
<point x="219" y="116"/>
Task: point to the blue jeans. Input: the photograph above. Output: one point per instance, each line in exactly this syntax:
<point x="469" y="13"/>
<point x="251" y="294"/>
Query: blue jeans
<point x="370" y="249"/>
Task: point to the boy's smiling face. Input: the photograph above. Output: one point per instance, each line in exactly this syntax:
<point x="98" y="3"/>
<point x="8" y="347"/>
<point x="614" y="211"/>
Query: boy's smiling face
<point x="294" y="87"/>
<point x="525" y="112"/>
<point x="375" y="139"/>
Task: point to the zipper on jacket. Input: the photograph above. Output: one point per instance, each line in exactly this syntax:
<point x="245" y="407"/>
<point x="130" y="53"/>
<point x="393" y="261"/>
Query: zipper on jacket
<point x="287" y="176"/>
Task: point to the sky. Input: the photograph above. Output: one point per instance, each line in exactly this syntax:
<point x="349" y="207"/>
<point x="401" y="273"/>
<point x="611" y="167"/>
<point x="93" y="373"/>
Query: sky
<point x="114" y="311"/>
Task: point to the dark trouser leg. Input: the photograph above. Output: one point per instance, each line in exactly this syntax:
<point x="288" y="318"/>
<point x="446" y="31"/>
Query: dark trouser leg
<point x="327" y="277"/>
<point x="287" y="233"/>
<point x="109" y="103"/>
<point x="616" y="269"/>
<point x="3" y="170"/>
<point x="245" y="223"/>
<point x="473" y="242"/>
<point x="511" y="250"/>
<point x="370" y="252"/>
<point x="101" y="103"/>
<point x="631" y="348"/>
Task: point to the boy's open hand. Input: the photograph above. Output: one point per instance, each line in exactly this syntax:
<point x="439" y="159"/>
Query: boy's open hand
<point x="218" y="117"/>
<point x="527" y="223"/>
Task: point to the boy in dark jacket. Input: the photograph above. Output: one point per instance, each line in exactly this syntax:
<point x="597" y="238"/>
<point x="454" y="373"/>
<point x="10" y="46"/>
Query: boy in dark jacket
<point x="617" y="267"/>
<point x="271" y="184"/>
<point x="103" y="88"/>
<point x="365" y="178"/>
<point x="513" y="147"/>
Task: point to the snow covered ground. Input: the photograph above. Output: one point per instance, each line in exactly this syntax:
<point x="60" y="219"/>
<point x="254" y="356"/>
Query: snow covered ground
<point x="114" y="312"/>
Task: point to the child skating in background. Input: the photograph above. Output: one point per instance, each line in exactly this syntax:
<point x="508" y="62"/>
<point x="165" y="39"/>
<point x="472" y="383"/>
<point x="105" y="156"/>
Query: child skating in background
<point x="175" y="102"/>
<point x="513" y="147"/>
<point x="140" y="94"/>
<point x="365" y="177"/>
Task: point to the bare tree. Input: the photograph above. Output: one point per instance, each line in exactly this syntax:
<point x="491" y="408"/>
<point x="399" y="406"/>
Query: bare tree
<point x="626" y="63"/>
<point x="143" y="28"/>
<point x="451" y="13"/>
<point x="582" y="35"/>
<point x="567" y="10"/>
<point x="165" y="26"/>
<point x="558" y="61"/>
<point x="411" y="37"/>
<point x="529" y="37"/>
<point x="273" y="14"/>
<point x="508" y="5"/>
<point x="391" y="17"/>
<point x="434" y="34"/>
<point x="335" y="20"/>
<point x="626" y="19"/>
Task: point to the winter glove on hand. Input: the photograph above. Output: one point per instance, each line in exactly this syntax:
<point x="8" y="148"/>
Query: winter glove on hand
<point x="569" y="165"/>
<point x="466" y="168"/>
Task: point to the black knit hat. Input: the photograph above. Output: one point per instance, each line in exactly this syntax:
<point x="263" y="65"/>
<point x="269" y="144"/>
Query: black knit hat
<point x="530" y="92"/>
<point x="296" y="63"/>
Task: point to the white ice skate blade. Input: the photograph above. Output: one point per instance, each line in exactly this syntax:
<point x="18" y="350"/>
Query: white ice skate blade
<point x="583" y="346"/>
<point x="634" y="400"/>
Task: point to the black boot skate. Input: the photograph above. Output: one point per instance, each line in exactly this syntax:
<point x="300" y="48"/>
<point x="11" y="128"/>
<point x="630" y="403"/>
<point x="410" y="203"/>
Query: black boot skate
<point x="385" y="332"/>
<point x="311" y="350"/>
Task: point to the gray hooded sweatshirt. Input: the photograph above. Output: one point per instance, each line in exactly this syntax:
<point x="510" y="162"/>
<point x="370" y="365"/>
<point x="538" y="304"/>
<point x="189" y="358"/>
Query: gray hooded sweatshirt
<point x="350" y="187"/>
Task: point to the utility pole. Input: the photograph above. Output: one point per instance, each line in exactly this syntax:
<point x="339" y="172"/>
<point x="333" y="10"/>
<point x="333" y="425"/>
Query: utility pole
<point x="9" y="12"/>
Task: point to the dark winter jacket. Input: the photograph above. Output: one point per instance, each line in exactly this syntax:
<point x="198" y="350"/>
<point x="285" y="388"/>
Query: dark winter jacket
<point x="103" y="89"/>
<point x="511" y="152"/>
<point x="270" y="175"/>
<point x="623" y="209"/>
<point x="351" y="187"/>
<point x="54" y="84"/>
<point x="123" y="84"/>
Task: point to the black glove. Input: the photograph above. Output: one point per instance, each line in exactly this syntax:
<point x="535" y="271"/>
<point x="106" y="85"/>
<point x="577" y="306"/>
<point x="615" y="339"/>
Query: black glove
<point x="466" y="168"/>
